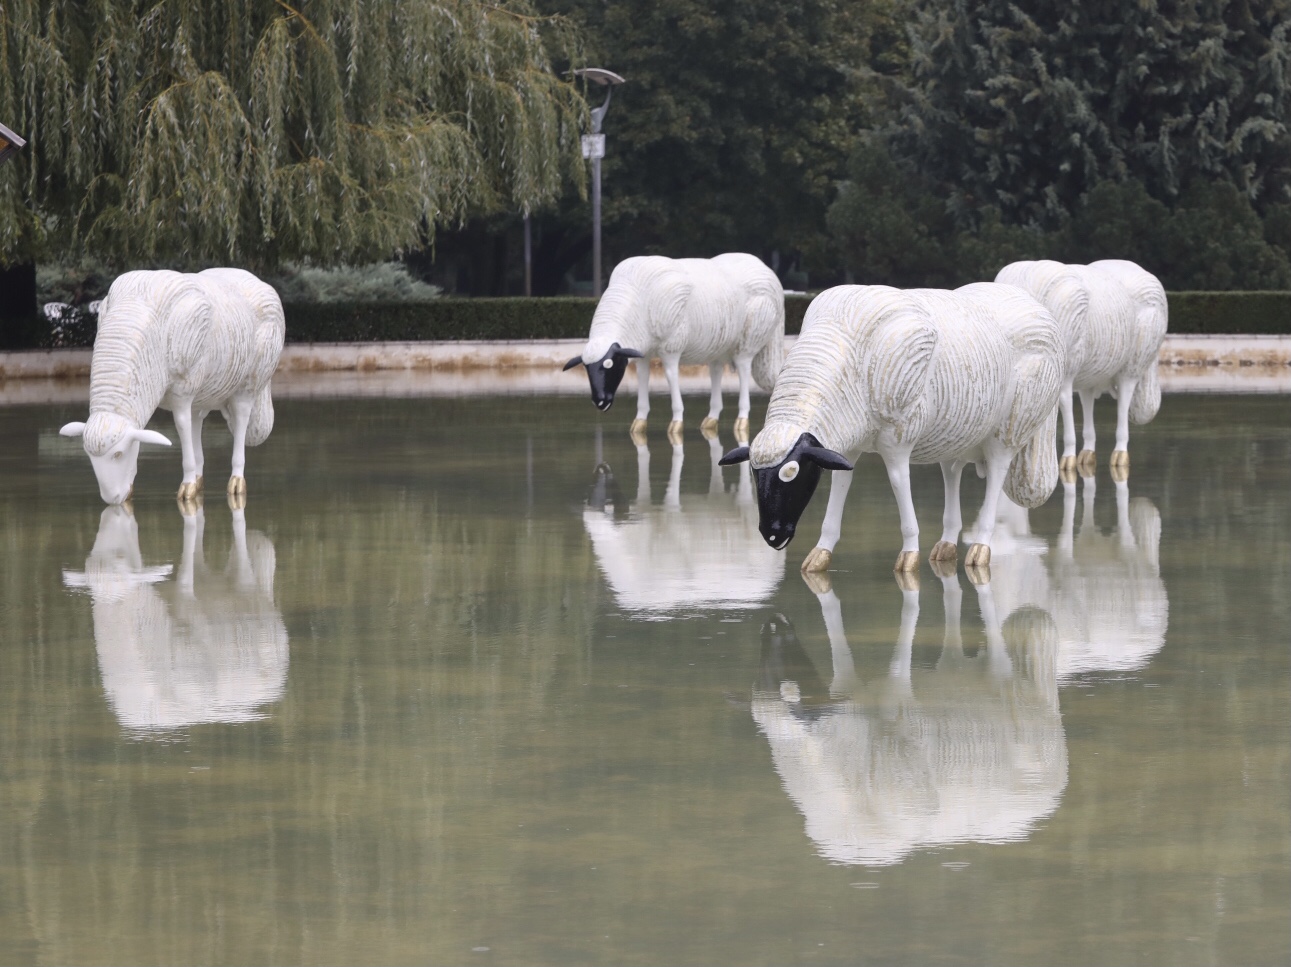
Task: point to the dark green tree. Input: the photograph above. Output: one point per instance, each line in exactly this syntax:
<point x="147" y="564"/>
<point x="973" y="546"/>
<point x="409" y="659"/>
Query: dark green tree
<point x="734" y="125"/>
<point x="1026" y="106"/>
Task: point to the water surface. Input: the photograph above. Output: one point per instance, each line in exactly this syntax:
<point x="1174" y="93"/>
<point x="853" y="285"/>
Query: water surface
<point x="444" y="692"/>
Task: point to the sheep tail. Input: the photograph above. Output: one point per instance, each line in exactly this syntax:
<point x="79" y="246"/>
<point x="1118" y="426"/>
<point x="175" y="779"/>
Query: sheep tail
<point x="1147" y="396"/>
<point x="1033" y="474"/>
<point x="770" y="358"/>
<point x="261" y="423"/>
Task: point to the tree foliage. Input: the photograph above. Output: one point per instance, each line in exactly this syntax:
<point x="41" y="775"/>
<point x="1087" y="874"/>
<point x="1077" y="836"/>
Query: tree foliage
<point x="254" y="131"/>
<point x="736" y="119"/>
<point x="1026" y="105"/>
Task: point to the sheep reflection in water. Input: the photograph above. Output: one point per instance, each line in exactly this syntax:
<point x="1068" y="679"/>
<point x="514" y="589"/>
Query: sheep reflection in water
<point x="206" y="647"/>
<point x="972" y="750"/>
<point x="1104" y="590"/>
<point x="698" y="555"/>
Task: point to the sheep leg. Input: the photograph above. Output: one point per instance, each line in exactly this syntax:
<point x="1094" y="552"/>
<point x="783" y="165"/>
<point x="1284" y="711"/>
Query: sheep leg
<point x="1124" y="530"/>
<point x="744" y="367"/>
<point x="194" y="526"/>
<point x="997" y="468"/>
<point x="952" y="642"/>
<point x="832" y="529"/>
<point x="672" y="369"/>
<point x="191" y="485"/>
<point x="643" y="399"/>
<point x="898" y="466"/>
<point x="709" y="424"/>
<point x="1067" y="465"/>
<point x="716" y="484"/>
<point x="199" y="418"/>
<point x="952" y="522"/>
<point x="239" y="560"/>
<point x="238" y="416"/>
<point x="1085" y="459"/>
<point x="1121" y="455"/>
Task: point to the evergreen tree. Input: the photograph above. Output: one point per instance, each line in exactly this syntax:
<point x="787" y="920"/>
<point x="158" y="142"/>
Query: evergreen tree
<point x="252" y="131"/>
<point x="1025" y="105"/>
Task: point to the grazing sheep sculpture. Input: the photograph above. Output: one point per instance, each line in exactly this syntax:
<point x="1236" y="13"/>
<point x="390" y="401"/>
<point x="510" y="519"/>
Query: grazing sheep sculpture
<point x="922" y="376"/>
<point x="729" y="308"/>
<point x="1113" y="316"/>
<point x="189" y="343"/>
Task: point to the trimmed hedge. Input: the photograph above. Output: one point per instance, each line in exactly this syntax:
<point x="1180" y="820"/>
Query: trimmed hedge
<point x="1230" y="313"/>
<point x="1233" y="313"/>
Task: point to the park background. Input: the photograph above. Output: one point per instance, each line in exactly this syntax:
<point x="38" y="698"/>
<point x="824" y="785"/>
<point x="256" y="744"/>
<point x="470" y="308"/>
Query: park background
<point x="362" y="154"/>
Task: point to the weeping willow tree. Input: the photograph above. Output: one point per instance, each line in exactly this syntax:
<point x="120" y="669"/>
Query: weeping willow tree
<point x="253" y="131"/>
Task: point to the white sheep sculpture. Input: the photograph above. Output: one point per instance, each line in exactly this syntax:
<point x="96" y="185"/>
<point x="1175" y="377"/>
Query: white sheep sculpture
<point x="918" y="376"/>
<point x="686" y="311"/>
<point x="189" y="343"/>
<point x="1113" y="316"/>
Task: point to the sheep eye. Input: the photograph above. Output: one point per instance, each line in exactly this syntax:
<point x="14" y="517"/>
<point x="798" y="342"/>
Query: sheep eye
<point x="608" y="363"/>
<point x="789" y="471"/>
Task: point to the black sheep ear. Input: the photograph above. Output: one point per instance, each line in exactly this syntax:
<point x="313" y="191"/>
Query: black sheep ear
<point x="628" y="353"/>
<point x="572" y="363"/>
<point x="826" y="459"/>
<point x="738" y="455"/>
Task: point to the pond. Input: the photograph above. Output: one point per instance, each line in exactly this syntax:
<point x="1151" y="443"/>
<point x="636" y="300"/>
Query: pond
<point x="444" y="693"/>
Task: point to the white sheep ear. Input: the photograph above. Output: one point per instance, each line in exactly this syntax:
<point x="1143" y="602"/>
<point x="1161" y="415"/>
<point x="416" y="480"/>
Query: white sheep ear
<point x="73" y="429"/>
<point x="150" y="436"/>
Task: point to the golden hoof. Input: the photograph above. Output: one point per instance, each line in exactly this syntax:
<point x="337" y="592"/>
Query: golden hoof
<point x="709" y="432"/>
<point x="742" y="430"/>
<point x="818" y="560"/>
<point x="189" y="506"/>
<point x="943" y="551"/>
<point x="1086" y="459"/>
<point x="819" y="581"/>
<point x="189" y="490"/>
<point x="979" y="575"/>
<point x="237" y="485"/>
<point x="708" y="423"/>
<point x="238" y="501"/>
<point x="907" y="562"/>
<point x="907" y="580"/>
<point x="1120" y="472"/>
<point x="638" y="432"/>
<point x="943" y="568"/>
<point x="979" y="555"/>
<point x="674" y="432"/>
<point x="1067" y="464"/>
<point x="1120" y="458"/>
<point x="1069" y="475"/>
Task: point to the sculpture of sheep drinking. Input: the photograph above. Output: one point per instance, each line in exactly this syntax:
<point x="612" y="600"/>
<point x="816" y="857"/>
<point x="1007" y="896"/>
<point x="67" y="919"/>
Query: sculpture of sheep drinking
<point x="189" y="343"/>
<point x="922" y="376"/>
<point x="686" y="311"/>
<point x="1113" y="316"/>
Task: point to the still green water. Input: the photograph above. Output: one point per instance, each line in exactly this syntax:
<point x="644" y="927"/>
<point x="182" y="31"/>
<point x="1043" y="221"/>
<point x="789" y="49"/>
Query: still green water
<point x="433" y="697"/>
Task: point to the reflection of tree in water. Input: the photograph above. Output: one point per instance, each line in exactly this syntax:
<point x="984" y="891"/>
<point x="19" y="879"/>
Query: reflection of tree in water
<point x="970" y="751"/>
<point x="208" y="647"/>
<point x="692" y="556"/>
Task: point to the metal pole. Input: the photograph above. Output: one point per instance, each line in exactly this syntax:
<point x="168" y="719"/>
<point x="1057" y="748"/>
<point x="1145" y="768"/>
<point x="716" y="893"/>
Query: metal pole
<point x="596" y="227"/>
<point x="528" y="258"/>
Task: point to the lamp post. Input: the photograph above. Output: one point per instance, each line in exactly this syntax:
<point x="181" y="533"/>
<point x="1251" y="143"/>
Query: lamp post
<point x="594" y="149"/>
<point x="10" y="143"/>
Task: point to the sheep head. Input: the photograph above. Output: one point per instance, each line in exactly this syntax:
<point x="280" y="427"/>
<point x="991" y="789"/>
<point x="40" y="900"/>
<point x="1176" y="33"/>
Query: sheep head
<point x="786" y="487"/>
<point x="606" y="373"/>
<point x="112" y="443"/>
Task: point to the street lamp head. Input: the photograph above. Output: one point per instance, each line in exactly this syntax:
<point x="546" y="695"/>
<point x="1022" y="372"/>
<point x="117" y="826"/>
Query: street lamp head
<point x="10" y="143"/>
<point x="599" y="75"/>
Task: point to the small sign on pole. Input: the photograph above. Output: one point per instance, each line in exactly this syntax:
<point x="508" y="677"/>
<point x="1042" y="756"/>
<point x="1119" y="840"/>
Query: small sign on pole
<point x="593" y="146"/>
